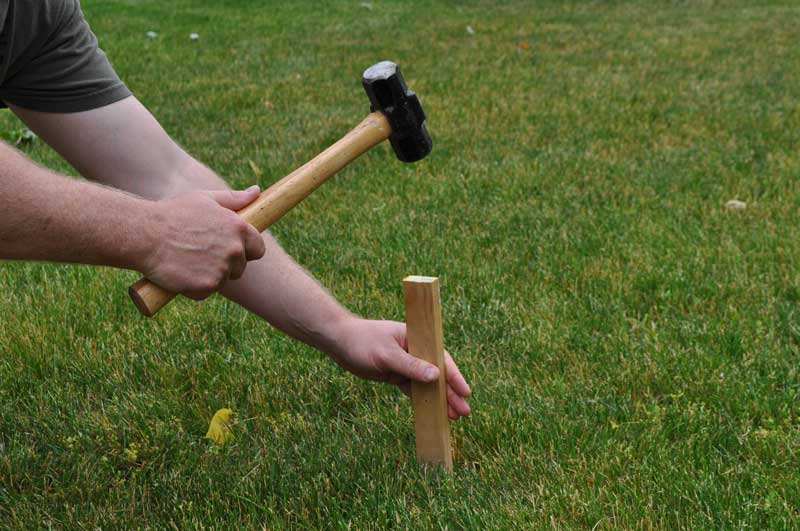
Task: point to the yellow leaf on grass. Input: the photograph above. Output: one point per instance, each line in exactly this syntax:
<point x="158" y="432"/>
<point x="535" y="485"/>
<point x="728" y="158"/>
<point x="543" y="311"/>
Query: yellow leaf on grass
<point x="219" y="430"/>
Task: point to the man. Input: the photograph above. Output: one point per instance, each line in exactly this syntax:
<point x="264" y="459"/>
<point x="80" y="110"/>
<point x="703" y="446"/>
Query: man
<point x="167" y="215"/>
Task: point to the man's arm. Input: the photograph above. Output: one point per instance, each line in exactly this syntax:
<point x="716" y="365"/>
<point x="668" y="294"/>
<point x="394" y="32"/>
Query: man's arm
<point x="104" y="145"/>
<point x="69" y="220"/>
<point x="47" y="216"/>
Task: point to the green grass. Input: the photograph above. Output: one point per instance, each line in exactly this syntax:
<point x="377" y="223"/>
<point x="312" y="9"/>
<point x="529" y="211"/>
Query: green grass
<point x="632" y="345"/>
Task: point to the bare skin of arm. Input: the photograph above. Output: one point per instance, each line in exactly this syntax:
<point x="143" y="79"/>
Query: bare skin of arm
<point x="80" y="222"/>
<point x="57" y="213"/>
<point x="274" y="287"/>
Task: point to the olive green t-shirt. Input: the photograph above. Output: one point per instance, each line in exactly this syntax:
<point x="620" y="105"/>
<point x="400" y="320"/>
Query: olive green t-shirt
<point x="50" y="61"/>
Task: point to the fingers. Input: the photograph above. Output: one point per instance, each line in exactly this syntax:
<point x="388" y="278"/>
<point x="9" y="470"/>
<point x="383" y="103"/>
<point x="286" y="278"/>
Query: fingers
<point x="235" y="199"/>
<point x="457" y="404"/>
<point x="457" y="407"/>
<point x="454" y="377"/>
<point x="451" y="412"/>
<point x="254" y="246"/>
<point x="406" y="365"/>
<point x="237" y="266"/>
<point x="412" y="368"/>
<point x="457" y="389"/>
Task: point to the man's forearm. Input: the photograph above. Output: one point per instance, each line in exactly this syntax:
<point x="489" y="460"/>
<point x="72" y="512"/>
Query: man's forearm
<point x="283" y="293"/>
<point x="47" y="216"/>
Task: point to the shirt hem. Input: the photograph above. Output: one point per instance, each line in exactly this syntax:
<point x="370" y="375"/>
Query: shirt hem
<point x="86" y="102"/>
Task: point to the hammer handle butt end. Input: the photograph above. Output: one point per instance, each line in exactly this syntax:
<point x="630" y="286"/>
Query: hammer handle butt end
<point x="148" y="297"/>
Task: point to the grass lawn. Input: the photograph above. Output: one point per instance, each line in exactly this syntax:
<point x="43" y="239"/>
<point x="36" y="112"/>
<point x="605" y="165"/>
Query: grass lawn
<point x="632" y="344"/>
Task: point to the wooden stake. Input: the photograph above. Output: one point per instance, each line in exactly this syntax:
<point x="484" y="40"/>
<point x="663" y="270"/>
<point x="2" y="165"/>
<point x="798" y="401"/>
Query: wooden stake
<point x="429" y="400"/>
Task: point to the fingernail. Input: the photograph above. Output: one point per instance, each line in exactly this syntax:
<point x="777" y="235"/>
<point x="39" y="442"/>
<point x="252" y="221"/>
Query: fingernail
<point x="430" y="374"/>
<point x="255" y="188"/>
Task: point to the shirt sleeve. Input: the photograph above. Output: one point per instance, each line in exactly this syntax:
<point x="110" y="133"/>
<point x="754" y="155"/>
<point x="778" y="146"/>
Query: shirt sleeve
<point x="62" y="69"/>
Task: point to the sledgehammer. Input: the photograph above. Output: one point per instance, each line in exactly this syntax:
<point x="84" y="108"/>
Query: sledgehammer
<point x="396" y="114"/>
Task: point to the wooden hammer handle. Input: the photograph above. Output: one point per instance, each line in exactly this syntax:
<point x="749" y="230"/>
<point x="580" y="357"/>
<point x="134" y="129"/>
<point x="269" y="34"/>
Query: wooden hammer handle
<point x="284" y="195"/>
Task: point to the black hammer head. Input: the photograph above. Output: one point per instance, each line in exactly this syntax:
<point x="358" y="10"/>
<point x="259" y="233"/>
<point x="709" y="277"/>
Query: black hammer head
<point x="389" y="94"/>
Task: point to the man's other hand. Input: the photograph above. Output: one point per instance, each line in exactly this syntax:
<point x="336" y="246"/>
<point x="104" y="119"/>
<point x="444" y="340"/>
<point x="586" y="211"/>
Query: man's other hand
<point x="377" y="350"/>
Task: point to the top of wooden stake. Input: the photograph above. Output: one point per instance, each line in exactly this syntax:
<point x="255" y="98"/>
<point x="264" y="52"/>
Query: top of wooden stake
<point x="420" y="280"/>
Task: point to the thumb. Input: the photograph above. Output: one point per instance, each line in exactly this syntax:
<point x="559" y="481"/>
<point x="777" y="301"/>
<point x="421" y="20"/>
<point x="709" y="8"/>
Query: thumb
<point x="235" y="199"/>
<point x="403" y="363"/>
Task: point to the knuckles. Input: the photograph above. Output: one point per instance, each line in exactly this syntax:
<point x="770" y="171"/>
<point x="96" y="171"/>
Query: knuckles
<point x="208" y="286"/>
<point x="213" y="282"/>
<point x="242" y="226"/>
